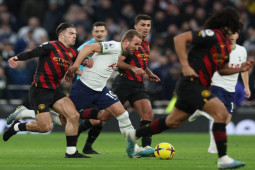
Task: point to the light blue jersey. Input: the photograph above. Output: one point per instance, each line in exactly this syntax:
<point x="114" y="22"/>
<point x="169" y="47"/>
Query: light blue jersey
<point x="92" y="41"/>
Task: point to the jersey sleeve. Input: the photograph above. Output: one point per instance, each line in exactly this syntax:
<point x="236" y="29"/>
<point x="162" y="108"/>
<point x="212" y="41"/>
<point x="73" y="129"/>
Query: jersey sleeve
<point x="39" y="51"/>
<point x="203" y="37"/>
<point x="110" y="47"/>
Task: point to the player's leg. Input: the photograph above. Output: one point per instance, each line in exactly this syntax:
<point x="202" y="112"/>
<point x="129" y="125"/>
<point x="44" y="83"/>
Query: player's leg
<point x="22" y="112"/>
<point x="42" y="124"/>
<point x="144" y="109"/>
<point x="95" y="127"/>
<point x="66" y="108"/>
<point x="118" y="111"/>
<point x="40" y="100"/>
<point x="218" y="111"/>
<point x="227" y="98"/>
<point x="172" y="121"/>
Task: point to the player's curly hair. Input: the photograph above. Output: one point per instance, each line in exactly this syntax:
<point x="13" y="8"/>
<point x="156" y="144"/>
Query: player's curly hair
<point x="226" y="18"/>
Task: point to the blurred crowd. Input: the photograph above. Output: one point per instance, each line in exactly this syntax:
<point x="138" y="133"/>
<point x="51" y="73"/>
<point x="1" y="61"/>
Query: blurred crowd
<point x="24" y="24"/>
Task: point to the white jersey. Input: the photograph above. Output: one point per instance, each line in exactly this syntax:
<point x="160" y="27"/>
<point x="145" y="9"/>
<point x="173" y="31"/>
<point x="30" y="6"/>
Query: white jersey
<point x="104" y="64"/>
<point x="228" y="82"/>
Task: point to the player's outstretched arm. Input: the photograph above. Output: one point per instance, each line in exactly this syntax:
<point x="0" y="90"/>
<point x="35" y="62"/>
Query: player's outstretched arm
<point x="13" y="62"/>
<point x="85" y="51"/>
<point x="226" y="70"/>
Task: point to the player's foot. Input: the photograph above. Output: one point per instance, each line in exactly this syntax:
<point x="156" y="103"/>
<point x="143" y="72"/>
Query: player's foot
<point x="197" y="114"/>
<point x="225" y="162"/>
<point x="16" y="115"/>
<point x="212" y="149"/>
<point x="10" y="131"/>
<point x="137" y="151"/>
<point x="76" y="155"/>
<point x="131" y="141"/>
<point x="90" y="151"/>
<point x="147" y="151"/>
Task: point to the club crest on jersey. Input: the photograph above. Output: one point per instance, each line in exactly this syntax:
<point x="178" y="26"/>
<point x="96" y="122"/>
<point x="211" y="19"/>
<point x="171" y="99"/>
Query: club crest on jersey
<point x="41" y="106"/>
<point x="111" y="45"/>
<point x="205" y="93"/>
<point x="70" y="54"/>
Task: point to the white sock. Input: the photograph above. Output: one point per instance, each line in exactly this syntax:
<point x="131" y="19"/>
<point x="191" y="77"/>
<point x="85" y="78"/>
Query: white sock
<point x="212" y="141"/>
<point x="16" y="127"/>
<point x="28" y="114"/>
<point x="124" y="122"/>
<point x="70" y="150"/>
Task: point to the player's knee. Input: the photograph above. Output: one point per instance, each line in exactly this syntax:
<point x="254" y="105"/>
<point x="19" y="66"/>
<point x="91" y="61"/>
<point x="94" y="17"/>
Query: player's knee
<point x="220" y="116"/>
<point x="147" y="115"/>
<point x="173" y="125"/>
<point x="74" y="116"/>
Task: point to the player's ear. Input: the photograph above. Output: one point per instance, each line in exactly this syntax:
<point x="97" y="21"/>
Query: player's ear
<point x="135" y="26"/>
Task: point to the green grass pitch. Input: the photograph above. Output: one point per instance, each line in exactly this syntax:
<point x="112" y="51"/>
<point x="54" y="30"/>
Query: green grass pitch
<point x="47" y="152"/>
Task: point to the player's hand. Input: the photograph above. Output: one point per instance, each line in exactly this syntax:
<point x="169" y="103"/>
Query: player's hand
<point x="13" y="62"/>
<point x="88" y="63"/>
<point x="247" y="93"/>
<point x="69" y="74"/>
<point x="188" y="71"/>
<point x="247" y="65"/>
<point x="137" y="70"/>
<point x="154" y="78"/>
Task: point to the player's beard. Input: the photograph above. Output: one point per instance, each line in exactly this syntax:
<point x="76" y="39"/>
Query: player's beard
<point x="129" y="50"/>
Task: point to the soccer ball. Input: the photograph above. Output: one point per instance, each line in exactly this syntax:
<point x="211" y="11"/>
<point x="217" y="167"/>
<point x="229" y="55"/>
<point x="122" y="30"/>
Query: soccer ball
<point x="164" y="151"/>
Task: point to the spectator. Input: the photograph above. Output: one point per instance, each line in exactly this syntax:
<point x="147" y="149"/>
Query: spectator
<point x="6" y="53"/>
<point x="6" y="35"/>
<point x="2" y="82"/>
<point x="52" y="17"/>
<point x="39" y="33"/>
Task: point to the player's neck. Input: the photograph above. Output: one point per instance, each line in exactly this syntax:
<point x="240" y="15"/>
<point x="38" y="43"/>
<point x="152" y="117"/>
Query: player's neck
<point x="65" y="44"/>
<point x="233" y="46"/>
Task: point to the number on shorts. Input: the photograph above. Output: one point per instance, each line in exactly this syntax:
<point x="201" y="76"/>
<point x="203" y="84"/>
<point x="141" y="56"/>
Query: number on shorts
<point x="232" y="107"/>
<point x="111" y="95"/>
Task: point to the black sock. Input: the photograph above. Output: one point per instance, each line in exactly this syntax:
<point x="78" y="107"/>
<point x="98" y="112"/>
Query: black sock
<point x="92" y="136"/>
<point x="84" y="125"/>
<point x="89" y="114"/>
<point x="219" y="133"/>
<point x="22" y="127"/>
<point x="155" y="127"/>
<point x="71" y="140"/>
<point x="146" y="140"/>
